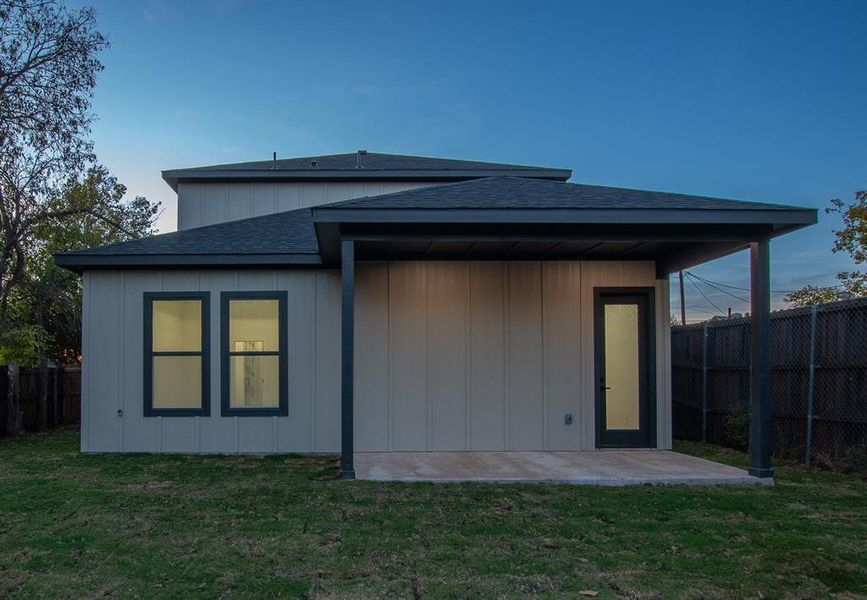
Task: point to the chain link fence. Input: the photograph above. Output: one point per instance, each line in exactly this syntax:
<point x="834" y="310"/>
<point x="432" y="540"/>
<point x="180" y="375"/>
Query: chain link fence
<point x="818" y="383"/>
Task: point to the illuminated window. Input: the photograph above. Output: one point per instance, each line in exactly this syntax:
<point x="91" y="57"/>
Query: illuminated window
<point x="176" y="373"/>
<point x="254" y="353"/>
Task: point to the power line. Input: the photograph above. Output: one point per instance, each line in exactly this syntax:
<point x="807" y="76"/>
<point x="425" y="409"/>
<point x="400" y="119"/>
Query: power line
<point x="719" y="289"/>
<point x="709" y="301"/>
<point x="743" y="289"/>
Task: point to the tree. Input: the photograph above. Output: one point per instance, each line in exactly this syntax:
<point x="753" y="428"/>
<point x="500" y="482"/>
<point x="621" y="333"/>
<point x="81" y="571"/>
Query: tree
<point x="852" y="239"/>
<point x="45" y="311"/>
<point x="810" y="295"/>
<point x="48" y="68"/>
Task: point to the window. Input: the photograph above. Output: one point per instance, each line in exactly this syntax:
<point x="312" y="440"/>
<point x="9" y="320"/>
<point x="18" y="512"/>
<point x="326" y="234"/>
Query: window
<point x="254" y="365"/>
<point x="176" y="359"/>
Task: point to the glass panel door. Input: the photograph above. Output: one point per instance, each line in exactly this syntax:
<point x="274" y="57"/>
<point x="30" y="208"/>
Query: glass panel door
<point x="622" y="358"/>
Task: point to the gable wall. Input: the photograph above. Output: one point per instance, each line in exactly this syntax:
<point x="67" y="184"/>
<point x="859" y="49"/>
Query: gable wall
<point x="209" y="203"/>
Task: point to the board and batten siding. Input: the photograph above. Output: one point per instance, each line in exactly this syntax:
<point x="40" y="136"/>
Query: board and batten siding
<point x="488" y="355"/>
<point x="202" y="204"/>
<point x="449" y="355"/>
<point x="112" y="389"/>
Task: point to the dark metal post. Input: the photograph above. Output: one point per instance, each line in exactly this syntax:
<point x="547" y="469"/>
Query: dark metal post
<point x="704" y="383"/>
<point x="811" y="382"/>
<point x="682" y="299"/>
<point x="760" y="360"/>
<point x="347" y="311"/>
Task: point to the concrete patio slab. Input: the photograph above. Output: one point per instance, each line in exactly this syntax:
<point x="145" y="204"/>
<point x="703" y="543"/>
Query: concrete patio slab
<point x="598" y="467"/>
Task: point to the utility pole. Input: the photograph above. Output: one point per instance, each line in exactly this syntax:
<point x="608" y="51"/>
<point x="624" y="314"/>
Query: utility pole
<point x="682" y="301"/>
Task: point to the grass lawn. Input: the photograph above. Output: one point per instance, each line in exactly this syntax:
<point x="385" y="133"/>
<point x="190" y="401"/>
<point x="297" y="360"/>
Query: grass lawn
<point x="208" y="526"/>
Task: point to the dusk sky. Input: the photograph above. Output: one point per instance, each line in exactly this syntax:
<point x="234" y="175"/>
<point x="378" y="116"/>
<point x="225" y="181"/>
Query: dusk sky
<point x="763" y="101"/>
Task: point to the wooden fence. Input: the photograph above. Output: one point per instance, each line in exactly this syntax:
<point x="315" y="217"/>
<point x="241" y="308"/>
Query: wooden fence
<point x="21" y="389"/>
<point x="818" y="381"/>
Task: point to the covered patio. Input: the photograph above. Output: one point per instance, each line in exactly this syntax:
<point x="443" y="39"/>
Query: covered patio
<point x="506" y="219"/>
<point x="607" y="467"/>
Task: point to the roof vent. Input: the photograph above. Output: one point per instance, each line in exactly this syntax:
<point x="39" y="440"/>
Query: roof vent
<point x="314" y="164"/>
<point x="358" y="156"/>
<point x="273" y="160"/>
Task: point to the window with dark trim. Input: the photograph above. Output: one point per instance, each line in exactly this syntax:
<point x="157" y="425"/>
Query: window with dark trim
<point x="253" y="354"/>
<point x="176" y="354"/>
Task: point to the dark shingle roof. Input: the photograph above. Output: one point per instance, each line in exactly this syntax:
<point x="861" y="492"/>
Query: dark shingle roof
<point x="374" y="166"/>
<point x="372" y="161"/>
<point x="517" y="193"/>
<point x="288" y="232"/>
<point x="290" y="237"/>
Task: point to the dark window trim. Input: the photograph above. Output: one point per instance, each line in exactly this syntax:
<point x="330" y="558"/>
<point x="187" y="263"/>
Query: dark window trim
<point x="148" y="354"/>
<point x="283" y="361"/>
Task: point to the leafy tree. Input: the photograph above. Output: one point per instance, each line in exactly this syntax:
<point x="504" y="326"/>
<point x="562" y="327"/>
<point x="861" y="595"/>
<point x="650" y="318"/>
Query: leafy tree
<point x="810" y="295"/>
<point x="852" y="239"/>
<point x="48" y="68"/>
<point x="45" y="311"/>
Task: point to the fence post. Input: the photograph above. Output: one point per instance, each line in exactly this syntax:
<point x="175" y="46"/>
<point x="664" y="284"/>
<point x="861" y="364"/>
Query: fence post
<point x="811" y="381"/>
<point x="704" y="383"/>
<point x="14" y="416"/>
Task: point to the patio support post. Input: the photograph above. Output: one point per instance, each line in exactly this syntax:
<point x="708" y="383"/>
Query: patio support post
<point x="347" y="351"/>
<point x="760" y="360"/>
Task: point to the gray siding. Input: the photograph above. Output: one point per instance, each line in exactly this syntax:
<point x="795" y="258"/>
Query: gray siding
<point x="487" y="355"/>
<point x="209" y="203"/>
<point x="449" y="356"/>
<point x="112" y="369"/>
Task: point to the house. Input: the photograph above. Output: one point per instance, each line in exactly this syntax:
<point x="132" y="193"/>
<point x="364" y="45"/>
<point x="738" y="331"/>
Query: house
<point x="373" y="303"/>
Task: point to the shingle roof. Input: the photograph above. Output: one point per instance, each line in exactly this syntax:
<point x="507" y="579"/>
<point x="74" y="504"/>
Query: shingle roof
<point x="374" y="166"/>
<point x="372" y="161"/>
<point x="517" y="193"/>
<point x="288" y="232"/>
<point x="291" y="237"/>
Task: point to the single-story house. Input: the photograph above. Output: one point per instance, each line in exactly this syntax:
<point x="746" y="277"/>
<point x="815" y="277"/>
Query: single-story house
<point x="374" y="303"/>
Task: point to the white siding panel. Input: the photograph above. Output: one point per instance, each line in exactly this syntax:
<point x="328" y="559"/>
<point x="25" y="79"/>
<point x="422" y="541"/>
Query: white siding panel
<point x="240" y="200"/>
<point x="288" y="196"/>
<point x="408" y="354"/>
<point x="104" y="362"/>
<point x="337" y="191"/>
<point x="313" y="194"/>
<point x="190" y="207"/>
<point x="372" y="421"/>
<point x="562" y="352"/>
<point x="296" y="431"/>
<point x="526" y="417"/>
<point x="487" y="357"/>
<point x="207" y="203"/>
<point x="264" y="199"/>
<point x="448" y="319"/>
<point x="327" y="405"/>
<point x="140" y="434"/>
<point x="215" y="204"/>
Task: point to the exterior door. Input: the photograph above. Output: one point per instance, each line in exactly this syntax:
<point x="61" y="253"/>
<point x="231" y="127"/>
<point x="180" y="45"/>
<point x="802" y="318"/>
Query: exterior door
<point x="625" y="399"/>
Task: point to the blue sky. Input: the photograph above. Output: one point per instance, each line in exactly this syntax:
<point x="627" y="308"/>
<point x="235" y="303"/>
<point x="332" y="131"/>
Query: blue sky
<point x="759" y="101"/>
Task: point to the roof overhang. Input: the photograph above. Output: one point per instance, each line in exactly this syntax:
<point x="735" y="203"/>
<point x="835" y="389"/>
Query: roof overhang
<point x="175" y="176"/>
<point x="674" y="239"/>
<point x="80" y="262"/>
